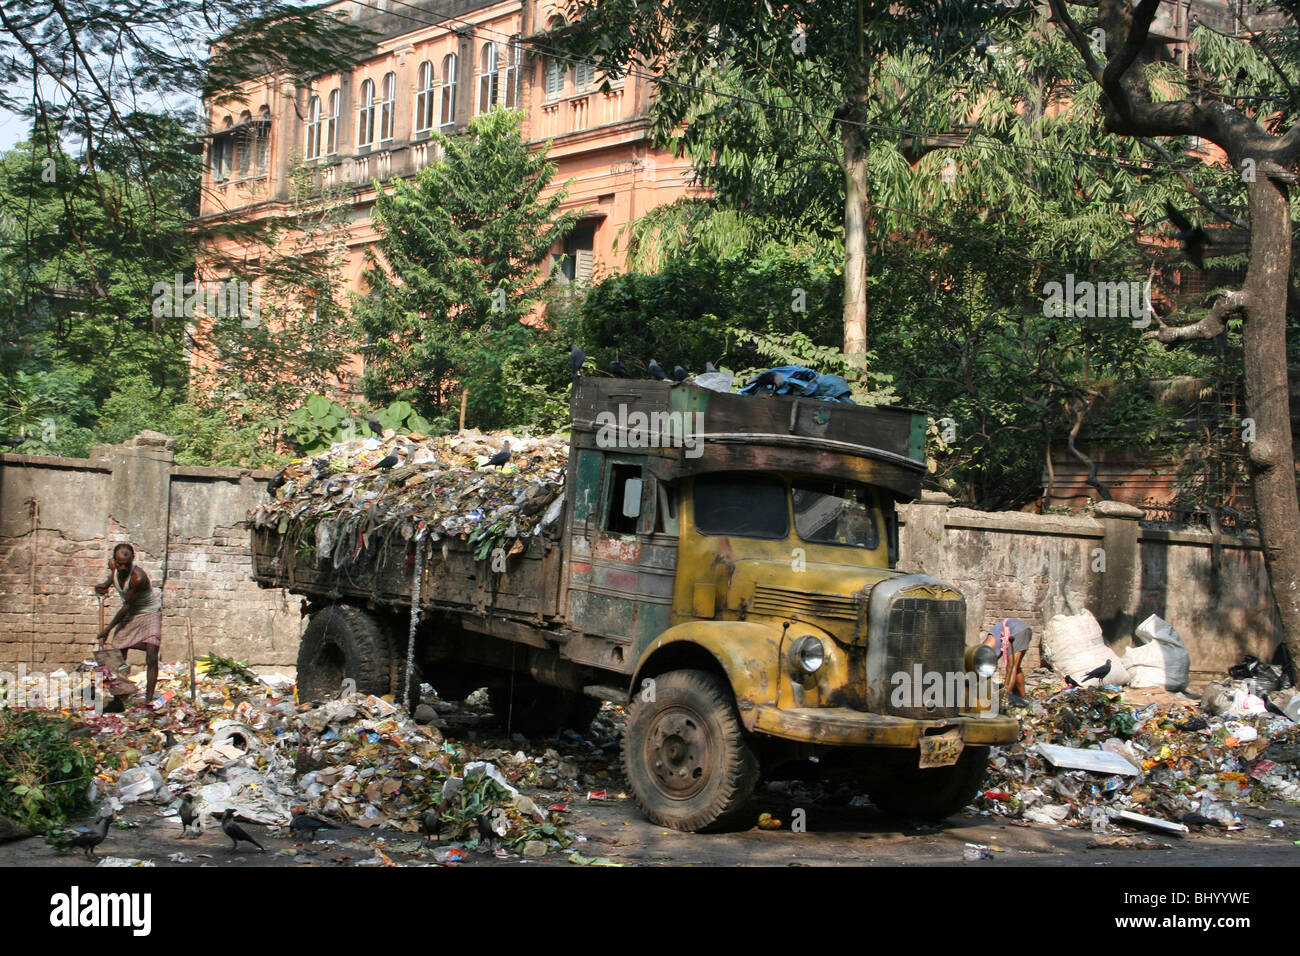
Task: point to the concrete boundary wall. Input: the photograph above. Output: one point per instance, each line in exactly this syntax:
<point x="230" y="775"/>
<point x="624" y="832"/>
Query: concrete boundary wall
<point x="1212" y="588"/>
<point x="60" y="517"/>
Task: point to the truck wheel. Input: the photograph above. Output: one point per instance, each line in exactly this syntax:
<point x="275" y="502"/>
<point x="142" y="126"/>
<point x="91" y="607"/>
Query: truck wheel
<point x="685" y="754"/>
<point x="536" y="710"/>
<point x="342" y="642"/>
<point x="934" y="793"/>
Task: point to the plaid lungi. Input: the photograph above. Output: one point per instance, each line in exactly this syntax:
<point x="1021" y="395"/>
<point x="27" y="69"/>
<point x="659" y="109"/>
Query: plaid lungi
<point x="144" y="630"/>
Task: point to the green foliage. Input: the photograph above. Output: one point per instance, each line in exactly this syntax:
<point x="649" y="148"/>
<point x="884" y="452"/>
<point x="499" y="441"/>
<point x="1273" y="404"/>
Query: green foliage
<point x="457" y="269"/>
<point x="44" y="773"/>
<point x="321" y="422"/>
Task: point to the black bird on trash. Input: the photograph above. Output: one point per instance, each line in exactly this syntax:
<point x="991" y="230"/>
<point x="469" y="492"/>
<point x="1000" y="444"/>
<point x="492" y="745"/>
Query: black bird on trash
<point x="770" y="379"/>
<point x="619" y="370"/>
<point x="656" y="371"/>
<point x="577" y="358"/>
<point x="680" y="374"/>
<point x="388" y="461"/>
<point x="1273" y="708"/>
<point x="306" y="823"/>
<point x="1097" y="673"/>
<point x="431" y="824"/>
<point x="187" y="812"/>
<point x="277" y="481"/>
<point x="1192" y="237"/>
<point x="236" y="833"/>
<point x="501" y="457"/>
<point x="87" y="838"/>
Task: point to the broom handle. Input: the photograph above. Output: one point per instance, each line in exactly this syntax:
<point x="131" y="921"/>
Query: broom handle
<point x="101" y="620"/>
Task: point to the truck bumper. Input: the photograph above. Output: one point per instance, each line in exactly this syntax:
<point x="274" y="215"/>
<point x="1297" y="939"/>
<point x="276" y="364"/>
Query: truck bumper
<point x="841" y="726"/>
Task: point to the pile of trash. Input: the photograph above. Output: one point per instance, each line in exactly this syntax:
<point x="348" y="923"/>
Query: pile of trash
<point x="1094" y="756"/>
<point x="359" y="761"/>
<point x="363" y="491"/>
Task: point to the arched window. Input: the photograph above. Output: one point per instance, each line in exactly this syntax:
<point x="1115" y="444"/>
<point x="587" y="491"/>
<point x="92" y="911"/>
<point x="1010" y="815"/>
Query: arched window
<point x="312" y="150"/>
<point x="332" y="124"/>
<point x="220" y="153"/>
<point x="244" y="142"/>
<point x="448" y="112"/>
<point x="554" y="79"/>
<point x="487" y="77"/>
<point x="424" y="97"/>
<point x="366" y="114"/>
<point x="262" y="137"/>
<point x="512" y="73"/>
<point x="389" y="95"/>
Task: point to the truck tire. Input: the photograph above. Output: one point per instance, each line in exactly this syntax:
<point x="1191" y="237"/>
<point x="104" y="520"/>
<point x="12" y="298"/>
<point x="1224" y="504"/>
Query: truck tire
<point x="342" y="642"/>
<point x="935" y="793"/>
<point x="536" y="710"/>
<point x="687" y="760"/>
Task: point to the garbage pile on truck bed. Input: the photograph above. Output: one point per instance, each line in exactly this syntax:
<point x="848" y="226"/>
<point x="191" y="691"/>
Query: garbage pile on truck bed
<point x="354" y="496"/>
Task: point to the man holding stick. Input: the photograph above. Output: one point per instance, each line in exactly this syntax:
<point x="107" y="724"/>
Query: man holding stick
<point x="139" y="620"/>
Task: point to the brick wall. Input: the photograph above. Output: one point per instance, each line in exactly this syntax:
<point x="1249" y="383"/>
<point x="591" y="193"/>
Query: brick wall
<point x="61" y="518"/>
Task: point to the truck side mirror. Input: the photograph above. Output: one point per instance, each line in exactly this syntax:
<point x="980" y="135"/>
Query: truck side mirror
<point x="632" y="498"/>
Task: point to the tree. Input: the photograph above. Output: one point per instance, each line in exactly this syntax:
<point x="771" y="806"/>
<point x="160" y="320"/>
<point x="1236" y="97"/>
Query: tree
<point x="1257" y="125"/>
<point x="457" y="268"/>
<point x="815" y="68"/>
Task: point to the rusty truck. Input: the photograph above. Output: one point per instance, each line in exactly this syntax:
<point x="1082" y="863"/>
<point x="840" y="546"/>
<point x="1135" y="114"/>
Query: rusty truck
<point x="724" y="567"/>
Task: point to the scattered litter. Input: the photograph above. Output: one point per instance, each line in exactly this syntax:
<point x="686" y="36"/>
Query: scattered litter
<point x="1151" y="823"/>
<point x="976" y="851"/>
<point x="1094" y="761"/>
<point x="111" y="861"/>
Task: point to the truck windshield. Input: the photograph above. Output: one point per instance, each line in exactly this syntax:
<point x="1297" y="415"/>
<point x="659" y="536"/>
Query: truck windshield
<point x="751" y="506"/>
<point x="835" y="512"/>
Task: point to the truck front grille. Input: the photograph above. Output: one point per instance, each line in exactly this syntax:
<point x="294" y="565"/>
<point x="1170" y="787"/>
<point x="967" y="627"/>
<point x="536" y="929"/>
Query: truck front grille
<point x="932" y="634"/>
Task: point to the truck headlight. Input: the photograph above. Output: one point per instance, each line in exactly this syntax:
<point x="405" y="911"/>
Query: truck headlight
<point x="808" y="654"/>
<point x="984" y="661"/>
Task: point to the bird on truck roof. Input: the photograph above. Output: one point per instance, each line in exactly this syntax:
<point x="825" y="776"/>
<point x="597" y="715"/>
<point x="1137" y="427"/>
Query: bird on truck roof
<point x="656" y="370"/>
<point x="577" y="358"/>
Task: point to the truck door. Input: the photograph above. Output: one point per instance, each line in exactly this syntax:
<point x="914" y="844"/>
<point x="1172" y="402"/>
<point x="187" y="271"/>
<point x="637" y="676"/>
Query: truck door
<point x="623" y="556"/>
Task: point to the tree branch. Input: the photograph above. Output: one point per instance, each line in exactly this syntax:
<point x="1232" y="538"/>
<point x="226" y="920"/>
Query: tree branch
<point x="1212" y="326"/>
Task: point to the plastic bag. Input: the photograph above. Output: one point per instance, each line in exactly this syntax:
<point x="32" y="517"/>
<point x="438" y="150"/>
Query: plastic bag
<point x="1158" y="658"/>
<point x="1074" y="646"/>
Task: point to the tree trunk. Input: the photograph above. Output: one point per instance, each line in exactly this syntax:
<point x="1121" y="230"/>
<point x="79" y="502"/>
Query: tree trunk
<point x="854" y="161"/>
<point x="1272" y="459"/>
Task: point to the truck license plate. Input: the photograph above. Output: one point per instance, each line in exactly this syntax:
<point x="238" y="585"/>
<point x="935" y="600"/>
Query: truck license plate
<point x="941" y="750"/>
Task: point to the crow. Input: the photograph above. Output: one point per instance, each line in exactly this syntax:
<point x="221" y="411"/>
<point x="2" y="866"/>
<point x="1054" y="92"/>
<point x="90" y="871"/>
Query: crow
<point x="619" y="370"/>
<point x="710" y="368"/>
<point x="276" y="482"/>
<point x="770" y="379"/>
<point x="87" y="838"/>
<point x="388" y="461"/>
<point x="375" y="427"/>
<point x="320" y="468"/>
<point x="430" y="824"/>
<point x="577" y="358"/>
<point x="236" y="833"/>
<point x="680" y="374"/>
<point x="187" y="812"/>
<point x="1097" y="673"/>
<point x="1273" y="708"/>
<point x="656" y="372"/>
<point x="501" y="457"/>
<point x="310" y="825"/>
<point x="13" y="441"/>
<point x="1192" y="237"/>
